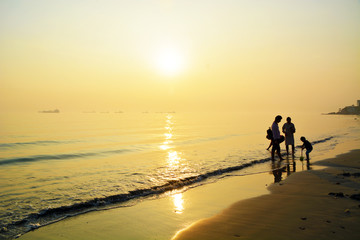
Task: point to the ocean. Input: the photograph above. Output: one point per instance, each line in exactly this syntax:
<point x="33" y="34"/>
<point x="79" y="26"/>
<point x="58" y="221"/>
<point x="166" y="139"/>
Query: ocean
<point x="57" y="165"/>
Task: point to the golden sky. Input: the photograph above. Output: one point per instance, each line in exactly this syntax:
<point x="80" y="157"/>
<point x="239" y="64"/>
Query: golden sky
<point x="179" y="55"/>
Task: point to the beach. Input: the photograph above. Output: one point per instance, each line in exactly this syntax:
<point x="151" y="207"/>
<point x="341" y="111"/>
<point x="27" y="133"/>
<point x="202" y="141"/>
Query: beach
<point x="321" y="204"/>
<point x="193" y="165"/>
<point x="149" y="120"/>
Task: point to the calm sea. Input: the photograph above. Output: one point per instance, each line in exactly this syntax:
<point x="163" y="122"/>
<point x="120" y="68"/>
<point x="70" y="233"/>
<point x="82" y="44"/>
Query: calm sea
<point x="55" y="165"/>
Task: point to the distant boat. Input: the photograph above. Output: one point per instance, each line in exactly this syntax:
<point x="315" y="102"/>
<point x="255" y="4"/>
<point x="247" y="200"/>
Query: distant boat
<point x="50" y="111"/>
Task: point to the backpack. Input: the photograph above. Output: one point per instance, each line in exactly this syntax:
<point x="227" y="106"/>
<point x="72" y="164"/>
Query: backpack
<point x="269" y="134"/>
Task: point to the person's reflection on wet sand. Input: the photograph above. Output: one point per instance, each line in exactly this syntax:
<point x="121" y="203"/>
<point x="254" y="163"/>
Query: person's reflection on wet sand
<point x="308" y="165"/>
<point x="288" y="167"/>
<point x="277" y="171"/>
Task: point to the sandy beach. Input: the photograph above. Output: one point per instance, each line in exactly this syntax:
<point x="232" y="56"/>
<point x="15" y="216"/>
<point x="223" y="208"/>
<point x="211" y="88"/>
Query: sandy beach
<point x="157" y="218"/>
<point x="321" y="204"/>
<point x="149" y="120"/>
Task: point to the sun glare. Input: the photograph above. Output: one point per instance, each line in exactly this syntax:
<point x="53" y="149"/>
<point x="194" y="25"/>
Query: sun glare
<point x="170" y="61"/>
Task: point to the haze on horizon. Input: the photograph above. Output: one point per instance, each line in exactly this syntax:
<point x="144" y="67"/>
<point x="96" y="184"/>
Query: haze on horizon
<point x="181" y="55"/>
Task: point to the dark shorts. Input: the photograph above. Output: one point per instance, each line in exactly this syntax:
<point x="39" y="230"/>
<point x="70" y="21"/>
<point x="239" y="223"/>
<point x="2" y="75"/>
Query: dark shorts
<point x="276" y="146"/>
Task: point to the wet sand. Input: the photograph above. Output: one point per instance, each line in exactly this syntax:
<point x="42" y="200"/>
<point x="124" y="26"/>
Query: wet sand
<point x="298" y="207"/>
<point x="317" y="204"/>
<point x="157" y="218"/>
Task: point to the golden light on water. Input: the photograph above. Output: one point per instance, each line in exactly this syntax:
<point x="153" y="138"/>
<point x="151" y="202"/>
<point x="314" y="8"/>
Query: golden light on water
<point x="165" y="146"/>
<point x="168" y="134"/>
<point x="173" y="158"/>
<point x="178" y="203"/>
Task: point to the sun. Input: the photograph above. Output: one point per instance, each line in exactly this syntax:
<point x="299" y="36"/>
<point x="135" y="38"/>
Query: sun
<point x="169" y="61"/>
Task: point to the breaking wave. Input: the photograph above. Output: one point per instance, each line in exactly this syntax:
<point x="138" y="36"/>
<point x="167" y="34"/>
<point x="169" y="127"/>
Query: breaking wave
<point x="50" y="215"/>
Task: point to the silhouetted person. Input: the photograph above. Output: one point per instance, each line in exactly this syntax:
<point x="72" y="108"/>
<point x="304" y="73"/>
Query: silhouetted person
<point x="289" y="130"/>
<point x="271" y="143"/>
<point x="276" y="138"/>
<point x="307" y="145"/>
<point x="270" y="137"/>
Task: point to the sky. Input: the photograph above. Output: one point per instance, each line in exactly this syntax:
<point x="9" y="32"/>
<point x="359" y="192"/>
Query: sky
<point x="179" y="55"/>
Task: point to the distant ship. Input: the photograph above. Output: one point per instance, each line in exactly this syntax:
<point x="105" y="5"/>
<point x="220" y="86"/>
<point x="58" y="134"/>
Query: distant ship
<point x="50" y="111"/>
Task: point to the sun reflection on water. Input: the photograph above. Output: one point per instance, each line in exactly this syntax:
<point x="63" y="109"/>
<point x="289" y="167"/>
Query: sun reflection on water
<point x="165" y="146"/>
<point x="173" y="157"/>
<point x="178" y="203"/>
<point x="168" y="134"/>
<point x="174" y="162"/>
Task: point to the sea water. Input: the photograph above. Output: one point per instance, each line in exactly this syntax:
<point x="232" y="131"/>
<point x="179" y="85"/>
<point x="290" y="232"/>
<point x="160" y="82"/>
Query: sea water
<point x="55" y="165"/>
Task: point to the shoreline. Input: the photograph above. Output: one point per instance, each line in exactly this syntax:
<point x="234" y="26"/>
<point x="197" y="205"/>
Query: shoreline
<point x="321" y="203"/>
<point x="163" y="217"/>
<point x="158" y="217"/>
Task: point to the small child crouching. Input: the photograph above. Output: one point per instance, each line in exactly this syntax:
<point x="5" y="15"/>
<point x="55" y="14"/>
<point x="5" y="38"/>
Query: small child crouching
<point x="306" y="145"/>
